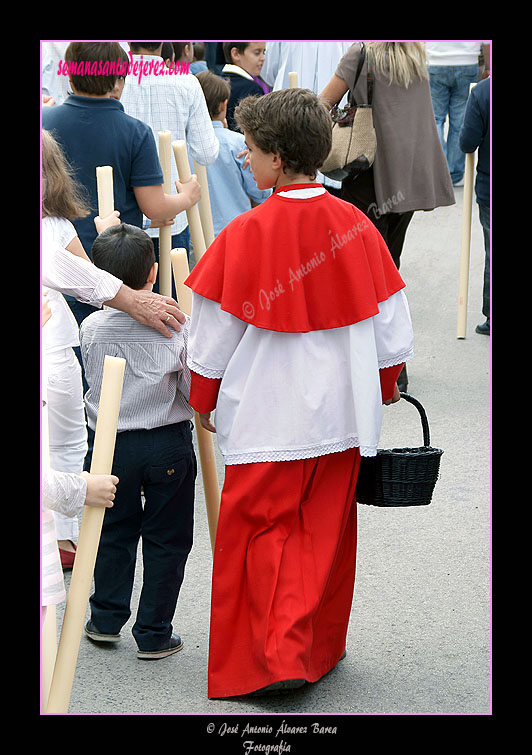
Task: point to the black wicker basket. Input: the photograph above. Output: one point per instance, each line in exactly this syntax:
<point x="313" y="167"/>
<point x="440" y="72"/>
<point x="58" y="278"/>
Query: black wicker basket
<point x="400" y="476"/>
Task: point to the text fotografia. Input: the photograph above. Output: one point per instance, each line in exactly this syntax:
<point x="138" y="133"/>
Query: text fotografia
<point x="247" y="731"/>
<point x="152" y="67"/>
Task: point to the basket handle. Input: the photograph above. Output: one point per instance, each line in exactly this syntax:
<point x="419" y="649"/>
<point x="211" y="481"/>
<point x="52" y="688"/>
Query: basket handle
<point x="423" y="415"/>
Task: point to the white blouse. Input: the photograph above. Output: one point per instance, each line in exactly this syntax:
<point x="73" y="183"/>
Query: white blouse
<point x="62" y="329"/>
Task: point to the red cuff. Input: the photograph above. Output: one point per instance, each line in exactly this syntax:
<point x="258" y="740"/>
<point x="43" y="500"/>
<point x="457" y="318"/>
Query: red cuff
<point x="203" y="392"/>
<point x="388" y="376"/>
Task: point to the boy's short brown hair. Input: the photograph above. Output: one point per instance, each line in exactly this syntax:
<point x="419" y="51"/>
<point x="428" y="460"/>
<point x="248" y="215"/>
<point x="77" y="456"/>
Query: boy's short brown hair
<point x="93" y="57"/>
<point x="293" y="122"/>
<point x="216" y="90"/>
<point x="149" y="46"/>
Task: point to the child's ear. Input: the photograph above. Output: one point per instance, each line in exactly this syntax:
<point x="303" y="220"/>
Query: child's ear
<point x="152" y="276"/>
<point x="277" y="163"/>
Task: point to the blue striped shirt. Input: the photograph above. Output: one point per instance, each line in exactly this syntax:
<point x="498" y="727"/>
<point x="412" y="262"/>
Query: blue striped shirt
<point x="156" y="385"/>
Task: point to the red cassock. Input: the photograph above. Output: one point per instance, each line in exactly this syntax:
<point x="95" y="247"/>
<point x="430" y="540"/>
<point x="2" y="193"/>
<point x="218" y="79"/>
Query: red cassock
<point x="286" y="275"/>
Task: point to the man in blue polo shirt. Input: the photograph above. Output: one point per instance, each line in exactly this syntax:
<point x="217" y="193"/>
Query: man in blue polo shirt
<point x="93" y="129"/>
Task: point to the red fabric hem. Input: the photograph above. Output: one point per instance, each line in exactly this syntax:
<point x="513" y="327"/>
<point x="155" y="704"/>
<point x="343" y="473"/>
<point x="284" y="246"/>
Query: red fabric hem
<point x="203" y="392"/>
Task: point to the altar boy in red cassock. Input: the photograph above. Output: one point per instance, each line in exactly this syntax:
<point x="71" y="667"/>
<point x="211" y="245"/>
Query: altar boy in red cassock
<point x="299" y="329"/>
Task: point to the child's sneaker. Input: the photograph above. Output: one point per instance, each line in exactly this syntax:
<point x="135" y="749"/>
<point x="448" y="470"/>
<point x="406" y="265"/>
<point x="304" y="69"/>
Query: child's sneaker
<point x="97" y="636"/>
<point x="173" y="645"/>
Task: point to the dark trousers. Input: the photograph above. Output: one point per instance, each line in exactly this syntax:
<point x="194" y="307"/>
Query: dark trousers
<point x="161" y="462"/>
<point x="484" y="215"/>
<point x="392" y="226"/>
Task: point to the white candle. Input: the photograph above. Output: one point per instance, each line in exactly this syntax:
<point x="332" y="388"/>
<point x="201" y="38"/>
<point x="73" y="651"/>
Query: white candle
<point x="49" y="627"/>
<point x="194" y="222"/>
<point x="165" y="233"/>
<point x="292" y="80"/>
<point x="465" y="243"/>
<point x="89" y="539"/>
<point x="209" y="473"/>
<point x="104" y="181"/>
<point x="181" y="272"/>
<point x="204" y="204"/>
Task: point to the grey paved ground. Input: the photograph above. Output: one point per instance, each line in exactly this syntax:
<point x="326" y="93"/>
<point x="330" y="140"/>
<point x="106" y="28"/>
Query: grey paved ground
<point x="419" y="638"/>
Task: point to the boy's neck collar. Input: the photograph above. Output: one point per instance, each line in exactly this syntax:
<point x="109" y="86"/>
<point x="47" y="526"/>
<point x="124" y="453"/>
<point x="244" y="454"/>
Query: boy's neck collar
<point x="232" y="68"/>
<point x="296" y="185"/>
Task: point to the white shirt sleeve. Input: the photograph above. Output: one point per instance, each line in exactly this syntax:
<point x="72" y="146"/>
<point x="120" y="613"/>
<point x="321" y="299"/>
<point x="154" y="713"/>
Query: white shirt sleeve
<point x="394" y="337"/>
<point x="74" y="276"/>
<point x="213" y="338"/>
<point x="64" y="492"/>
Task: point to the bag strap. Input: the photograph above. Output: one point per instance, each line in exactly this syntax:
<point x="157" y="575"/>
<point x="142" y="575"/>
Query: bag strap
<point x="370" y="78"/>
<point x="357" y="75"/>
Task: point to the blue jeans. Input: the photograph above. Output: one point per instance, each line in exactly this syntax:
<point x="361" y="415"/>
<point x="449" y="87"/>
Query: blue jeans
<point x="161" y="462"/>
<point x="449" y="88"/>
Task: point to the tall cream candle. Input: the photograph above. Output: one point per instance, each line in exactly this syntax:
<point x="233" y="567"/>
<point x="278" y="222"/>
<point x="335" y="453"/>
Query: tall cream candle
<point x="181" y="271"/>
<point x="49" y="626"/>
<point x="193" y="216"/>
<point x="465" y="246"/>
<point x="104" y="182"/>
<point x="89" y="539"/>
<point x="204" y="204"/>
<point x="292" y="80"/>
<point x="465" y="243"/>
<point x="165" y="233"/>
<point x="207" y="456"/>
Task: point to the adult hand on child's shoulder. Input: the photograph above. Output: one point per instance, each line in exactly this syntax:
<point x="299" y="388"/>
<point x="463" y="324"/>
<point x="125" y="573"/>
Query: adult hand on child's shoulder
<point x="157" y="311"/>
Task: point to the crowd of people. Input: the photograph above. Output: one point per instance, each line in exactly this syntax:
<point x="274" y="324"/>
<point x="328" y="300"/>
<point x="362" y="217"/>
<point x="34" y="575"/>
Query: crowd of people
<point x="297" y="385"/>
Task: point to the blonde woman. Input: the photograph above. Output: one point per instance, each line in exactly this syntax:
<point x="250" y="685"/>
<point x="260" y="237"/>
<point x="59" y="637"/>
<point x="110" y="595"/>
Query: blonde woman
<point x="410" y="170"/>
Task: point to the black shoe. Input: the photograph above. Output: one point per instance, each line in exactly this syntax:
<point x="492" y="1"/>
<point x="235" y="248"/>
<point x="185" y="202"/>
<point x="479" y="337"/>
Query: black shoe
<point x="279" y="688"/>
<point x="483" y="329"/>
<point x="173" y="645"/>
<point x="94" y="634"/>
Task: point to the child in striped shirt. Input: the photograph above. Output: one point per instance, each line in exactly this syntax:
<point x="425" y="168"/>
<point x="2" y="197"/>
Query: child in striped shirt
<point x="153" y="454"/>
